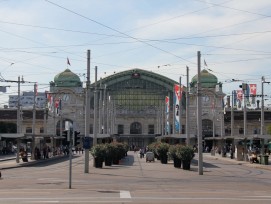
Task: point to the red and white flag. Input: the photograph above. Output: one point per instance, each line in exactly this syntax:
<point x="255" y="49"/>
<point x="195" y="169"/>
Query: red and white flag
<point x="252" y="89"/>
<point x="239" y="95"/>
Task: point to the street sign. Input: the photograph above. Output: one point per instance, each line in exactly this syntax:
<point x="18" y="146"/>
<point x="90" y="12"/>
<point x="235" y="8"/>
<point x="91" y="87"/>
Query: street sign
<point x="87" y="142"/>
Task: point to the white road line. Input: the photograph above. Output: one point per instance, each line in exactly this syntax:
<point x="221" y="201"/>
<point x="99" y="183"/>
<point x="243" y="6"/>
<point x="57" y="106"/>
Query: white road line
<point x="40" y="201"/>
<point x="125" y="194"/>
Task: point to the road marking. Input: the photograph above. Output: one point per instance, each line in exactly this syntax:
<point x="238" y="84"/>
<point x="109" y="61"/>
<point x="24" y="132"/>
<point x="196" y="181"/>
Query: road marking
<point x="44" y="201"/>
<point x="125" y="194"/>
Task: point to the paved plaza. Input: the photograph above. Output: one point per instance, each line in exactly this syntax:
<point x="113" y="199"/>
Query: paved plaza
<point x="134" y="180"/>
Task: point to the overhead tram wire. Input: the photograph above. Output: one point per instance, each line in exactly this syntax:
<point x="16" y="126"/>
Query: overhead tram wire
<point x="9" y="33"/>
<point x="108" y="35"/>
<point x="62" y="29"/>
<point x="240" y="10"/>
<point x="215" y="36"/>
<point x="119" y="36"/>
<point x="110" y="28"/>
<point x="175" y="17"/>
<point x="83" y="32"/>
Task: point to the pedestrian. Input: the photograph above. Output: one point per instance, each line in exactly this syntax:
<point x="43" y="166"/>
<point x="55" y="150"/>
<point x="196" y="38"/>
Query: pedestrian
<point x="231" y="151"/>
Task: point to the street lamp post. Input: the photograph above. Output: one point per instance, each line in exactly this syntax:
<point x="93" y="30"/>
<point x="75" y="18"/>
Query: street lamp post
<point x="262" y="106"/>
<point x="199" y="119"/>
<point x="262" y="112"/>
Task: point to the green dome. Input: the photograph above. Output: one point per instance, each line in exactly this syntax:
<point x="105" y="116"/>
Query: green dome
<point x="208" y="80"/>
<point x="67" y="79"/>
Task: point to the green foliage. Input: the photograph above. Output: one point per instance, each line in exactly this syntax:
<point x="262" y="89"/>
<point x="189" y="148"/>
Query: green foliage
<point x="186" y="153"/>
<point x="152" y="146"/>
<point x="162" y="148"/>
<point x="109" y="148"/>
<point x="174" y="150"/>
<point x="98" y="151"/>
<point x="118" y="149"/>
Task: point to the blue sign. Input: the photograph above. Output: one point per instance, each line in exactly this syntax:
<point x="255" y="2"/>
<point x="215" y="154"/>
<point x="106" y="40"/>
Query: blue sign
<point x="87" y="142"/>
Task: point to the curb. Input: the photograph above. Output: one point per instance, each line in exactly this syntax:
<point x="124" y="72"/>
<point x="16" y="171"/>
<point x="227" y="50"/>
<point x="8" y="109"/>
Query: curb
<point x="243" y="163"/>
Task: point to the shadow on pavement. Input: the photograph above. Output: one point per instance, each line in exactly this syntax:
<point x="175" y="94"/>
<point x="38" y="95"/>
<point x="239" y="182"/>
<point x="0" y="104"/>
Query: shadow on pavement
<point x="205" y="164"/>
<point x="50" y="161"/>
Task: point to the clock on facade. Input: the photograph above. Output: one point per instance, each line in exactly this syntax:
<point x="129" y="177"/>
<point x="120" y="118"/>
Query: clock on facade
<point x="66" y="97"/>
<point x="205" y="98"/>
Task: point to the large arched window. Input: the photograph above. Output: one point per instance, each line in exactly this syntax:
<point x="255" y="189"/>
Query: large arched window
<point x="136" y="128"/>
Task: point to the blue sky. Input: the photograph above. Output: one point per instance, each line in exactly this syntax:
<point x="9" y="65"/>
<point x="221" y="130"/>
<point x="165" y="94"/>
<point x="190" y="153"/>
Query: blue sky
<point x="161" y="36"/>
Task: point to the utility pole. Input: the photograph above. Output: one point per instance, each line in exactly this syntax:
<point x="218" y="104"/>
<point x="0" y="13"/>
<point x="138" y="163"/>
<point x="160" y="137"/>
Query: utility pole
<point x="100" y="106"/>
<point x="107" y="112"/>
<point x="262" y="107"/>
<point x="173" y="113"/>
<point x="232" y="113"/>
<point x="187" y="107"/>
<point x="103" y="112"/>
<point x="199" y="120"/>
<point x="34" y="123"/>
<point x="95" y="110"/>
<point x="262" y="114"/>
<point x="87" y="114"/>
<point x="180" y="106"/>
<point x="244" y="87"/>
<point x="18" y="121"/>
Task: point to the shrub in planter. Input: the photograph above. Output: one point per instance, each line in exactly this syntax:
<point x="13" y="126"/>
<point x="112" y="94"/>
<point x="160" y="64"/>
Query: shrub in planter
<point x="108" y="158"/>
<point x="118" y="153"/>
<point x="186" y="154"/>
<point x="162" y="151"/>
<point x="174" y="153"/>
<point x="98" y="153"/>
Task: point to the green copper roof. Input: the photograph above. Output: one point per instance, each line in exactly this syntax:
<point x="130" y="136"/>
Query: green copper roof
<point x="67" y="79"/>
<point x="208" y="80"/>
<point x="140" y="73"/>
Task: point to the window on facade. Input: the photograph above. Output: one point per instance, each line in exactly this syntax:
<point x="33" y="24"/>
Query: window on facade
<point x="28" y="130"/>
<point x="227" y="131"/>
<point x="120" y="129"/>
<point x="137" y="96"/>
<point x="41" y="130"/>
<point x="151" y="129"/>
<point x="183" y="129"/>
<point x="241" y="130"/>
<point x="135" y="128"/>
<point x="91" y="129"/>
<point x="256" y="131"/>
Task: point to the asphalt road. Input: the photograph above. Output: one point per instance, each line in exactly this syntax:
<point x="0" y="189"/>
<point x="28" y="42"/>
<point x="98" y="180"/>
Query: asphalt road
<point x="135" y="181"/>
